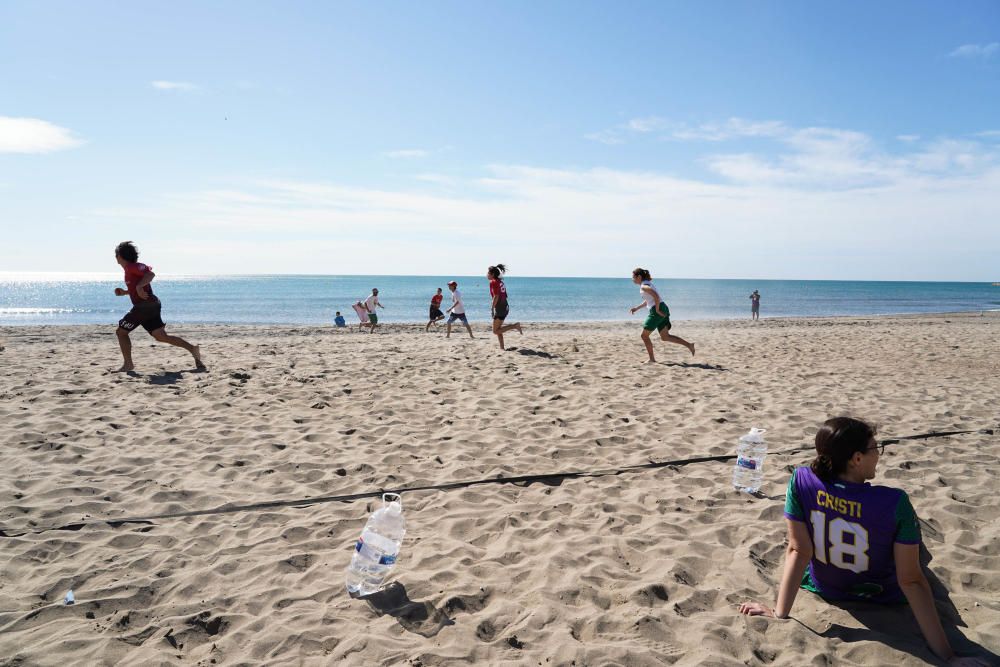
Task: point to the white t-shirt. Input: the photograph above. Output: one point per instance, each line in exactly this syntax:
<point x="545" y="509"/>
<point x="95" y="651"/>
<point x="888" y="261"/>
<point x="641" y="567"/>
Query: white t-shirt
<point x="370" y="303"/>
<point x="646" y="296"/>
<point x="456" y="299"/>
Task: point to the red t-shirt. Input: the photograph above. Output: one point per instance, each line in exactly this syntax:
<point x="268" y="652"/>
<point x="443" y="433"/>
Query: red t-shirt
<point x="497" y="287"/>
<point x="135" y="272"/>
<point x="436" y="300"/>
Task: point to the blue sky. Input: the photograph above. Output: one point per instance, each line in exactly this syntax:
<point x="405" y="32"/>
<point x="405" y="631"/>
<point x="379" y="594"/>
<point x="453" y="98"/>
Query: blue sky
<point x="719" y="140"/>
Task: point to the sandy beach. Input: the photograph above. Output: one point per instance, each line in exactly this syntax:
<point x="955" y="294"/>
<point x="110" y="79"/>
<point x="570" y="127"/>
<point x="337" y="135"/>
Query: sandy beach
<point x="232" y="560"/>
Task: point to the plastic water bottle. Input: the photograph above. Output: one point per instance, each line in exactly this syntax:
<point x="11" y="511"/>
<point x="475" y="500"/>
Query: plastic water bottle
<point x="376" y="551"/>
<point x="750" y="454"/>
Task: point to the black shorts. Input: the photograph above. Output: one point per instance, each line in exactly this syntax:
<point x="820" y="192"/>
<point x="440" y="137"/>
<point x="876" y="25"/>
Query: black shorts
<point x="436" y="313"/>
<point x="458" y="316"/>
<point x="146" y="315"/>
<point x="501" y="311"/>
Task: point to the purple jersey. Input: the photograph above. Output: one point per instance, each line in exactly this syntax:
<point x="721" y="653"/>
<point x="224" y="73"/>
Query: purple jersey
<point x="853" y="527"/>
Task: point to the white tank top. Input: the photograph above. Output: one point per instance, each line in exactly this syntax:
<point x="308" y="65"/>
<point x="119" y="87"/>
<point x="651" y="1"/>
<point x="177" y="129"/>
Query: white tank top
<point x="647" y="297"/>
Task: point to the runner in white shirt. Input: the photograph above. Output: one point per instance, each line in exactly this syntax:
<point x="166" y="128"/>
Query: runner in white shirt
<point x="457" y="310"/>
<point x="659" y="315"/>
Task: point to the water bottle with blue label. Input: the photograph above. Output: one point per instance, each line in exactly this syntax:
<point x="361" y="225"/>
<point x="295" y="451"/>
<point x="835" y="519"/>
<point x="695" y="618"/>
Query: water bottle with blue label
<point x="378" y="548"/>
<point x="750" y="454"/>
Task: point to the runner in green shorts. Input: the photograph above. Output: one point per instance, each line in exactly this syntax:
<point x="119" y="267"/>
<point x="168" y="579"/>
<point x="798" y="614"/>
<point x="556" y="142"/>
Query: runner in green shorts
<point x="659" y="315"/>
<point x="656" y="321"/>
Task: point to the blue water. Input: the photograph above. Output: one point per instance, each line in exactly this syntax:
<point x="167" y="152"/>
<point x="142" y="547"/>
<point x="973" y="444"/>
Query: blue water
<point x="28" y="300"/>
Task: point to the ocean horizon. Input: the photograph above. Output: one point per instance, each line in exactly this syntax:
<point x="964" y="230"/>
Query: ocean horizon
<point x="88" y="298"/>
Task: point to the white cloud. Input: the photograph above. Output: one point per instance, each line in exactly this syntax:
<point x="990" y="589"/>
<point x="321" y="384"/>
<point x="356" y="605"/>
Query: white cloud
<point x="607" y="137"/>
<point x="650" y="124"/>
<point x="32" y="135"/>
<point x="180" y="86"/>
<point x="804" y="213"/>
<point x="732" y="128"/>
<point x="975" y="50"/>
<point x="407" y="153"/>
<point x="908" y="138"/>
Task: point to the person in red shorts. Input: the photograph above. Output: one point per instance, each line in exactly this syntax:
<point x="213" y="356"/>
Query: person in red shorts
<point x="145" y="307"/>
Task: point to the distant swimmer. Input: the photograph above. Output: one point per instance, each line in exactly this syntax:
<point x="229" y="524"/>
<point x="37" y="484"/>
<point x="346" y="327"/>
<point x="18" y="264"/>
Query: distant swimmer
<point x="658" y="318"/>
<point x="435" y="314"/>
<point x="457" y="310"/>
<point x="755" y="305"/>
<point x="851" y="541"/>
<point x="145" y="307"/>
<point x="500" y="306"/>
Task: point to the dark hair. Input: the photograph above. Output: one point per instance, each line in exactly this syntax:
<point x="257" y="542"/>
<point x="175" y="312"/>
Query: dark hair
<point x="497" y="271"/>
<point x="642" y="273"/>
<point x="836" y="442"/>
<point x="127" y="251"/>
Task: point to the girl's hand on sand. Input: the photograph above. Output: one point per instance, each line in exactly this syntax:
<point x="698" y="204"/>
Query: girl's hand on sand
<point x="756" y="609"/>
<point x="120" y="292"/>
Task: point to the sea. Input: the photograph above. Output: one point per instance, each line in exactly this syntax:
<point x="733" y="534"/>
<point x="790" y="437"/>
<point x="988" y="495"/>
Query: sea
<point x="64" y="299"/>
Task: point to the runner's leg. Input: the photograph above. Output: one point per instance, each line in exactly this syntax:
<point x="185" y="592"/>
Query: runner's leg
<point x="126" y="345"/>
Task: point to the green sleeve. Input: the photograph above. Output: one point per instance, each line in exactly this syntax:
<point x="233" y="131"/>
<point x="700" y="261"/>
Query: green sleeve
<point x="793" y="509"/>
<point x="907" y="527"/>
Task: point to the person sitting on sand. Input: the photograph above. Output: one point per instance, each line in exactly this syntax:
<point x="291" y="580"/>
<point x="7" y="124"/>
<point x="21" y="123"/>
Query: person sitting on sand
<point x="658" y="318"/>
<point x="849" y="540"/>
<point x="457" y="310"/>
<point x="435" y="314"/>
<point x="339" y="320"/>
<point x="371" y="303"/>
<point x="145" y="307"/>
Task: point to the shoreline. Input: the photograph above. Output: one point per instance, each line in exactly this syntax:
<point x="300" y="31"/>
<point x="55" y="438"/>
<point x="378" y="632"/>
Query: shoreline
<point x="390" y="326"/>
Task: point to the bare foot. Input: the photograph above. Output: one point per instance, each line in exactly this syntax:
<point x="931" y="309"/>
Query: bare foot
<point x="519" y="329"/>
<point x="126" y="368"/>
<point x="691" y="347"/>
<point x="651" y="361"/>
<point x="198" y="363"/>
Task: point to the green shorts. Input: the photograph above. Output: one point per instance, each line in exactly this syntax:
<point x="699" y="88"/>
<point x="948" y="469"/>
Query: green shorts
<point x="654" y="320"/>
<point x="373" y="318"/>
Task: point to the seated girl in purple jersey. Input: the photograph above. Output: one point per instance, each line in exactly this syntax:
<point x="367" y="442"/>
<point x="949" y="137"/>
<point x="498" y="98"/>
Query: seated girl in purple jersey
<point x="849" y="540"/>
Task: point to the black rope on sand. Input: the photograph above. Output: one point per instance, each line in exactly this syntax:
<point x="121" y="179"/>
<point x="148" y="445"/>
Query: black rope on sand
<point x="518" y="479"/>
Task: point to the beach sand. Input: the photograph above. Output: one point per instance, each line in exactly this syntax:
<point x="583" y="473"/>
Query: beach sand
<point x="644" y="567"/>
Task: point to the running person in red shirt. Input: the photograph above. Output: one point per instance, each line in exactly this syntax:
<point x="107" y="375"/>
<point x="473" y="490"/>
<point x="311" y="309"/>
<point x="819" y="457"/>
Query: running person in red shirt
<point x="498" y="294"/>
<point x="145" y="307"/>
<point x="435" y="314"/>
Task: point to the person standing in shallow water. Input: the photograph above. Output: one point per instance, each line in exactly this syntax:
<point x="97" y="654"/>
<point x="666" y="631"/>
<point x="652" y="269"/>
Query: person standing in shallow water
<point x="755" y="305"/>
<point x="500" y="307"/>
<point x="145" y="308"/>
<point x="658" y="318"/>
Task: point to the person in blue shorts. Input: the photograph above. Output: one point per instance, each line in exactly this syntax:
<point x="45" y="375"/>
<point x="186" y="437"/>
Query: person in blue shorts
<point x="850" y="540"/>
<point x="457" y="310"/>
<point x="658" y="318"/>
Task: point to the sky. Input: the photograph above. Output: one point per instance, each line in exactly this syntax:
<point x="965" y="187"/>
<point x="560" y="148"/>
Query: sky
<point x="769" y="140"/>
